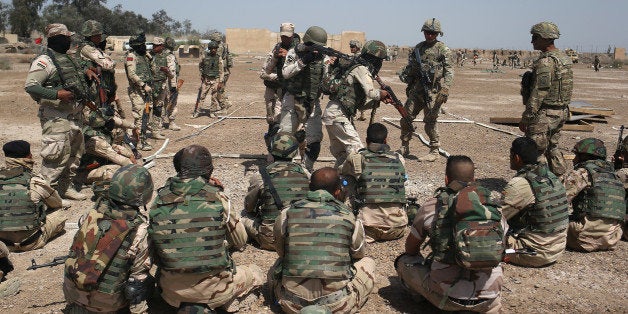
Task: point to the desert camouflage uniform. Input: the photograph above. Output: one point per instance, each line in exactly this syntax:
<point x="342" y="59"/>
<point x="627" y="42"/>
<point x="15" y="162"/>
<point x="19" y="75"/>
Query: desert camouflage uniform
<point x="339" y="295"/>
<point x="273" y="80"/>
<point x="385" y="220"/>
<point x="588" y="233"/>
<point x="547" y="106"/>
<point x="445" y="285"/>
<point x="161" y="84"/>
<point x="212" y="73"/>
<point x="436" y="62"/>
<point x="227" y="61"/>
<point x="518" y="199"/>
<point x="218" y="288"/>
<point x="41" y="194"/>
<point x="171" y="104"/>
<point x="137" y="81"/>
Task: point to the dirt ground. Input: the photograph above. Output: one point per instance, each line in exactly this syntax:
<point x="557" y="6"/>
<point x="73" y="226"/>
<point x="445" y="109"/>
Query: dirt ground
<point x="584" y="283"/>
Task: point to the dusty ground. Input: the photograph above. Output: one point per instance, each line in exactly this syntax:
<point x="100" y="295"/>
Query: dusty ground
<point x="579" y="282"/>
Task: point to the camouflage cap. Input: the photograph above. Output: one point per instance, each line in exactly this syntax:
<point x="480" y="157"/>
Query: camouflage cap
<point x="158" y="41"/>
<point x="432" y="25"/>
<point x="91" y="28"/>
<point x="286" y="29"/>
<point x="591" y="146"/>
<point x="57" y="29"/>
<point x="546" y="30"/>
<point x="355" y="43"/>
<point x="284" y="145"/>
<point x="216" y="36"/>
<point x="170" y="43"/>
<point x="131" y="185"/>
<point x="375" y="48"/>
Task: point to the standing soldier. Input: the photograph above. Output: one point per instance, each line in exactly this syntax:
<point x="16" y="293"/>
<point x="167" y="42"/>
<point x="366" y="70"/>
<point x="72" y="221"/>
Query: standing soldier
<point x="174" y="83"/>
<point x="303" y="71"/>
<point x="429" y="75"/>
<point x="212" y="73"/>
<point x="355" y="46"/>
<point x="351" y="87"/>
<point x="227" y="63"/>
<point x="57" y="81"/>
<point x="162" y="82"/>
<point x="140" y="72"/>
<point x="596" y="63"/>
<point x="192" y="227"/>
<point x="107" y="269"/>
<point x="546" y="92"/>
<point x="273" y="78"/>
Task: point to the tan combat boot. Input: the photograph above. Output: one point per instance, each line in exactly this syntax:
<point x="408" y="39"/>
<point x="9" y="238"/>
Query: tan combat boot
<point x="431" y="156"/>
<point x="173" y="126"/>
<point x="143" y="145"/>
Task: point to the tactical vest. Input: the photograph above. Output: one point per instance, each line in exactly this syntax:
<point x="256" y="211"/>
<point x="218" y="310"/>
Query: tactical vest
<point x="210" y="66"/>
<point x="550" y="212"/>
<point x="431" y="62"/>
<point x="562" y="81"/>
<point x="382" y="179"/>
<point x="319" y="240"/>
<point x="160" y="60"/>
<point x="17" y="211"/>
<point x="189" y="231"/>
<point x="290" y="182"/>
<point x="305" y="84"/>
<point x="98" y="258"/>
<point x="143" y="68"/>
<point x="352" y="96"/>
<point x="96" y="124"/>
<point x="177" y="66"/>
<point x="69" y="75"/>
<point x="605" y="198"/>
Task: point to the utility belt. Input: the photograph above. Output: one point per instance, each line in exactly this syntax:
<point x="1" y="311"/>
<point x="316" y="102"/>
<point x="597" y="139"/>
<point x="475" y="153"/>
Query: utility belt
<point x="468" y="302"/>
<point x="553" y="107"/>
<point x="207" y="77"/>
<point x="324" y="300"/>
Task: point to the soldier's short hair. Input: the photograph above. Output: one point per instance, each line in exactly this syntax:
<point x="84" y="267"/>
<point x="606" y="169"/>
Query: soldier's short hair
<point x="327" y="179"/>
<point x="376" y="133"/>
<point x="526" y="149"/>
<point x="16" y="149"/>
<point x="460" y="168"/>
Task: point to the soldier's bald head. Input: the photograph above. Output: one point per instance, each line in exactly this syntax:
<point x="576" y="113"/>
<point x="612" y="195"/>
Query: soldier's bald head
<point x="327" y="179"/>
<point x="460" y="168"/>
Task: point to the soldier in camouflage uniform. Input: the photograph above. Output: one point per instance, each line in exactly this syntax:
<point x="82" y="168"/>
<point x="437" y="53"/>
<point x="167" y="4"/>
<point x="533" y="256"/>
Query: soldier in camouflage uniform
<point x="435" y="63"/>
<point x="227" y="62"/>
<point x="300" y="108"/>
<point x="277" y="186"/>
<point x="212" y="76"/>
<point x="355" y="46"/>
<point x="170" y="112"/>
<point x="163" y="82"/>
<point x="192" y="227"/>
<point x="108" y="265"/>
<point x="447" y="286"/>
<point x="598" y="198"/>
<point x="321" y="250"/>
<point x="57" y="81"/>
<point x="30" y="213"/>
<point x="621" y="169"/>
<point x="351" y="87"/>
<point x="380" y="195"/>
<point x="535" y="205"/>
<point x="546" y="95"/>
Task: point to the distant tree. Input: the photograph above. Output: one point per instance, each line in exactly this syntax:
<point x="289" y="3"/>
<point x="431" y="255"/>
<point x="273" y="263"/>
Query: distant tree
<point x="162" y="23"/>
<point x="205" y="35"/>
<point x="187" y="26"/>
<point x="64" y="14"/>
<point x="5" y="10"/>
<point x="24" y="16"/>
<point x="131" y="24"/>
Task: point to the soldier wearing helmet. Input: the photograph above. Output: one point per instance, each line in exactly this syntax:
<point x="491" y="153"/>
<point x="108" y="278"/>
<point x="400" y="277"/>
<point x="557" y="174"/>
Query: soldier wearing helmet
<point x="351" y="87"/>
<point x="105" y="275"/>
<point x="429" y="75"/>
<point x="535" y="205"/>
<point x="355" y="46"/>
<point x="174" y="83"/>
<point x="278" y="184"/>
<point x="598" y="198"/>
<point x="227" y="61"/>
<point x="303" y="72"/>
<point x="547" y="95"/>
<point x="212" y="76"/>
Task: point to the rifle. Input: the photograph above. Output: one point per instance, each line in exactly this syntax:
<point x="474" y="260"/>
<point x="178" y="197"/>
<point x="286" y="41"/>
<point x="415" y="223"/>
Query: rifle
<point x="59" y="260"/>
<point x="424" y="79"/>
<point x="198" y="99"/>
<point x="618" y="158"/>
<point x="132" y="145"/>
<point x="148" y="105"/>
<point x="396" y="103"/>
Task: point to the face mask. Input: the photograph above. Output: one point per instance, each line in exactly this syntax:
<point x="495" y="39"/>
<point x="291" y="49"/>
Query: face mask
<point x="59" y="43"/>
<point x="140" y="49"/>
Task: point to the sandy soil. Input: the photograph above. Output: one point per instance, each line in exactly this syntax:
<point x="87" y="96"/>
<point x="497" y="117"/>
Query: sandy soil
<point x="594" y="282"/>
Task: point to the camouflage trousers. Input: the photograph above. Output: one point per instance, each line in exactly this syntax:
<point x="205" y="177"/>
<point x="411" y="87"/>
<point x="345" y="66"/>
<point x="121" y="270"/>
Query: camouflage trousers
<point x="170" y="110"/>
<point x="374" y="233"/>
<point x="358" y="290"/>
<point x="159" y="110"/>
<point x="260" y="232"/>
<point x="87" y="302"/>
<point x="52" y="227"/>
<point x="294" y="118"/>
<point x="209" y="86"/>
<point x="545" y="132"/>
<point x="414" y="105"/>
<point x="61" y="150"/>
<point x="272" y="99"/>
<point x="593" y="234"/>
<point x="343" y="137"/>
<point x="415" y="277"/>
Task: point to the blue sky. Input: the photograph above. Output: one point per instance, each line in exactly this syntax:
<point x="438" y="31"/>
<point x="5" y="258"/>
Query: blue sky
<point x="588" y="25"/>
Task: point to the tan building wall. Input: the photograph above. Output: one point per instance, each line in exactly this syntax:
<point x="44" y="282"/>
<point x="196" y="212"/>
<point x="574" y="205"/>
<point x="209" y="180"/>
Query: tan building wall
<point x="116" y="43"/>
<point x="620" y="53"/>
<point x="11" y="38"/>
<point x="243" y="40"/>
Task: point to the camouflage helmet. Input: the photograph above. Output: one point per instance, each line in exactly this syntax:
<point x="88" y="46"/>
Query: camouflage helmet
<point x="284" y="145"/>
<point x="591" y="146"/>
<point x="375" y="48"/>
<point x="315" y="34"/>
<point x="216" y="36"/>
<point x="355" y="43"/>
<point x="213" y="44"/>
<point x="138" y="40"/>
<point x="91" y="28"/>
<point x="131" y="185"/>
<point x="432" y="25"/>
<point x="547" y="30"/>
<point x="170" y="43"/>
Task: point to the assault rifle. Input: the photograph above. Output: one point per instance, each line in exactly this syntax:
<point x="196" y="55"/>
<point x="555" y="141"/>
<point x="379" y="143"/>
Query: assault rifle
<point x="424" y="79"/>
<point x="175" y="95"/>
<point x="198" y="99"/>
<point x="59" y="260"/>
<point x="148" y="106"/>
<point x="618" y="157"/>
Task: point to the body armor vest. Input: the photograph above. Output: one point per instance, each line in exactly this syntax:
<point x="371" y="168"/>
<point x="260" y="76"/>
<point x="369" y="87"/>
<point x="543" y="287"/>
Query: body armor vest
<point x="290" y="182"/>
<point x="143" y="68"/>
<point x="319" y="240"/>
<point x="605" y="198"/>
<point x="69" y="76"/>
<point x="189" y="231"/>
<point x="352" y="96"/>
<point x="550" y="212"/>
<point x="382" y="179"/>
<point x="305" y="84"/>
<point x="559" y="94"/>
<point x="210" y="66"/>
<point x="431" y="64"/>
<point x="17" y="211"/>
<point x="160" y="60"/>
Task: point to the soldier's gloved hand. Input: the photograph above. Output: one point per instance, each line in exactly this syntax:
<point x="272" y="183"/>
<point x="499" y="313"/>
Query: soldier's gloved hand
<point x="442" y="96"/>
<point x="147" y="89"/>
<point x="65" y="95"/>
<point x="308" y="57"/>
<point x="173" y="90"/>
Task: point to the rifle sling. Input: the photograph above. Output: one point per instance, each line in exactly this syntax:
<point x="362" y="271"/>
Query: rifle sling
<point x="271" y="187"/>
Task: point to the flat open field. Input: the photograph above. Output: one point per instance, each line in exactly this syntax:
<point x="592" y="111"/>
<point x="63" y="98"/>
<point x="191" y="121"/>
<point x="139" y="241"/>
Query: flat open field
<point x="583" y="283"/>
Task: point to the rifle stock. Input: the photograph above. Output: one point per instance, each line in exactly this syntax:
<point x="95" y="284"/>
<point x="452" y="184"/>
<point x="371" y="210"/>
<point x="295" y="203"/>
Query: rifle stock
<point x="396" y="102"/>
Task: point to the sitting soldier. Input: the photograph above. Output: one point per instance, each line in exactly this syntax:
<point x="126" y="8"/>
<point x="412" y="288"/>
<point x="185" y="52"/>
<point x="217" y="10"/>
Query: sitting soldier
<point x="380" y="194"/>
<point x="28" y="211"/>
<point x="454" y="277"/>
<point x="192" y="228"/>
<point x="621" y="169"/>
<point x="318" y="241"/>
<point x="277" y="186"/>
<point x="598" y="199"/>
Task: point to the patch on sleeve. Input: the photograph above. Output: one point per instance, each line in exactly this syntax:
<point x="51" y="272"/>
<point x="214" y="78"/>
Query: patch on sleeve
<point x="42" y="64"/>
<point x="129" y="58"/>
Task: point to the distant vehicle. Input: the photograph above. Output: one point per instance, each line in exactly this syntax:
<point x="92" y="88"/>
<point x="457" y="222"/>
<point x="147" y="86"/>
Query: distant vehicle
<point x="573" y="54"/>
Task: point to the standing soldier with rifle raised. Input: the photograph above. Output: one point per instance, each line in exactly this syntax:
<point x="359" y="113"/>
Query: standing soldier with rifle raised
<point x="174" y="83"/>
<point x="429" y="75"/>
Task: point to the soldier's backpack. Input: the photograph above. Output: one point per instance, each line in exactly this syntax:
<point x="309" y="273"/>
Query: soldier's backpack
<point x="468" y="230"/>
